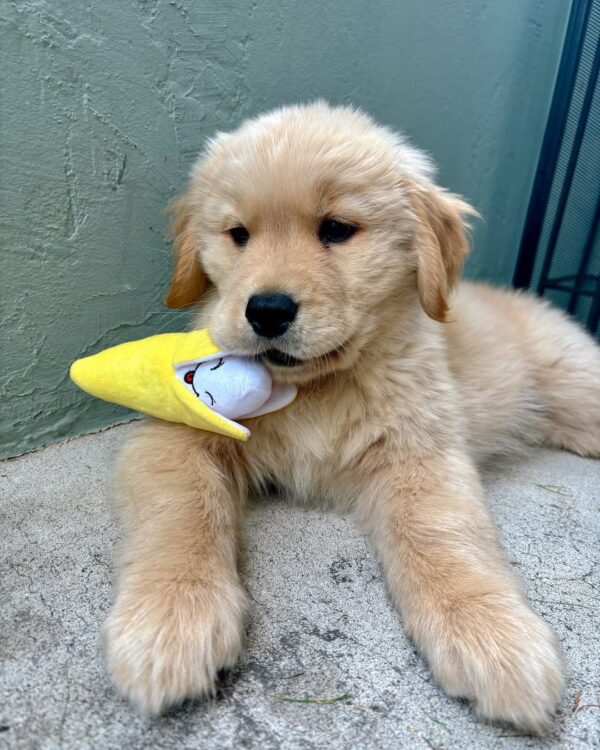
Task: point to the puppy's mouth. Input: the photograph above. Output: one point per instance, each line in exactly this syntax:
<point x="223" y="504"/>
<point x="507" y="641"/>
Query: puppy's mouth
<point x="283" y="359"/>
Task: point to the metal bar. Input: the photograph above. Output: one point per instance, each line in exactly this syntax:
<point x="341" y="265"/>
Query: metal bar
<point x="565" y="287"/>
<point x="587" y="251"/>
<point x="557" y="118"/>
<point x="570" y="170"/>
<point x="571" y="277"/>
<point x="594" y="313"/>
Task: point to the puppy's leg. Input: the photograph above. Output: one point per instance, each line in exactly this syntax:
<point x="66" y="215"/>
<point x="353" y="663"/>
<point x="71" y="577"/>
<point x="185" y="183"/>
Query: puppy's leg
<point x="178" y="613"/>
<point x="458" y="598"/>
<point x="569" y="378"/>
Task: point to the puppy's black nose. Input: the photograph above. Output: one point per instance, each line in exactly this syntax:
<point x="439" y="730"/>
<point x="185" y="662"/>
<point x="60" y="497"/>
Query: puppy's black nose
<point x="271" y="315"/>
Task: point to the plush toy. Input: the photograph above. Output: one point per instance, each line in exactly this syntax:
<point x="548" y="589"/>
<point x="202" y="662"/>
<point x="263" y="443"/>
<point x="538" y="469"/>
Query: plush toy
<point x="183" y="377"/>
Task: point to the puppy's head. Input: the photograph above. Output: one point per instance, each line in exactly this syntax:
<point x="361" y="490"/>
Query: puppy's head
<point x="308" y="223"/>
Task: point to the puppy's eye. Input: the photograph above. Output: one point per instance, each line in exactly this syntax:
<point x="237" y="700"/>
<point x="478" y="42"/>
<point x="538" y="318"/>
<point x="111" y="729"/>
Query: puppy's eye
<point x="332" y="231"/>
<point x="239" y="235"/>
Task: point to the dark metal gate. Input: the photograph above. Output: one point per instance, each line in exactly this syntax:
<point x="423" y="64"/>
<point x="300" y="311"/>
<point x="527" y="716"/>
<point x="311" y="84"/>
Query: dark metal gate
<point x="559" y="255"/>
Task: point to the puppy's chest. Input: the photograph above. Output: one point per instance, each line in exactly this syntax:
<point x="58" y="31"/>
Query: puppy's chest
<point x="317" y="448"/>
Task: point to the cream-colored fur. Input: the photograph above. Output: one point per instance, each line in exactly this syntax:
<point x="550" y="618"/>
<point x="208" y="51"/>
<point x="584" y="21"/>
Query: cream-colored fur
<point x="395" y="410"/>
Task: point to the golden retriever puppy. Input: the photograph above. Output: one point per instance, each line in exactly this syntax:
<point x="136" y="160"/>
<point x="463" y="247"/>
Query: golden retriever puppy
<point x="327" y="250"/>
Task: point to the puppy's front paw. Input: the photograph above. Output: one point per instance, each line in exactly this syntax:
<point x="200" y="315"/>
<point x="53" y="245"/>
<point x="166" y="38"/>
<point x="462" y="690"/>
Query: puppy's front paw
<point x="505" y="659"/>
<point x="166" y="643"/>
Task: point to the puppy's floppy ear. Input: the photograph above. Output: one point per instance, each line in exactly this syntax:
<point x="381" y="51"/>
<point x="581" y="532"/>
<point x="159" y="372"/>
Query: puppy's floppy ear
<point x="188" y="281"/>
<point x="442" y="243"/>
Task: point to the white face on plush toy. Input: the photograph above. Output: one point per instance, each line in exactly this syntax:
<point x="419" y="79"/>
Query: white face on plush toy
<point x="231" y="386"/>
<point x="201" y="379"/>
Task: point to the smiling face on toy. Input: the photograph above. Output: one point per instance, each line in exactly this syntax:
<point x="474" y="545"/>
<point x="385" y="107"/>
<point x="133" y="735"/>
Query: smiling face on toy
<point x="200" y="379"/>
<point x="229" y="385"/>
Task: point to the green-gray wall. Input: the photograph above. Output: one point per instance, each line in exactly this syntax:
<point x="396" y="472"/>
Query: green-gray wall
<point x="104" y="106"/>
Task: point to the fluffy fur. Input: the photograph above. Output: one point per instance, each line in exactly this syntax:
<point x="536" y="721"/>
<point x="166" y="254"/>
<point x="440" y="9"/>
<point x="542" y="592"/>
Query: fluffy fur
<point x="405" y="387"/>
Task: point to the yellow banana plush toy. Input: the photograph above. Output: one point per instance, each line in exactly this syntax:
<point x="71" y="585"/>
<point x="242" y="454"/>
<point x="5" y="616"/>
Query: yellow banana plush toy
<point x="183" y="377"/>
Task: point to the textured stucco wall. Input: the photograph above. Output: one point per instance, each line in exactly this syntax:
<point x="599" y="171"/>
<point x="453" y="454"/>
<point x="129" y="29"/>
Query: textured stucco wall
<point x="104" y="106"/>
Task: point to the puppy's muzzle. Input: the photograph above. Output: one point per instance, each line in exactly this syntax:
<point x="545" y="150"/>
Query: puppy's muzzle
<point x="270" y="315"/>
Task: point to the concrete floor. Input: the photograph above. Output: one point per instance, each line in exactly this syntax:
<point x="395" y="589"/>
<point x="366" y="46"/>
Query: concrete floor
<point x="321" y="624"/>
